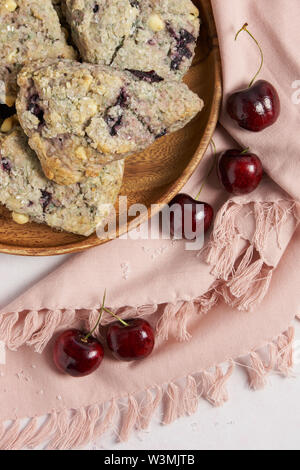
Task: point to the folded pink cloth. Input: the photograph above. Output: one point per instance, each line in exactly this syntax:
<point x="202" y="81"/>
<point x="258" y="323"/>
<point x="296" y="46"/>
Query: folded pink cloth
<point x="183" y="293"/>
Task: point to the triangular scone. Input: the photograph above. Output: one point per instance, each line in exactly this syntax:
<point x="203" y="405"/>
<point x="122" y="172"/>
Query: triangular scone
<point x="81" y="116"/>
<point x="24" y="189"/>
<point x="29" y="30"/>
<point x="144" y="35"/>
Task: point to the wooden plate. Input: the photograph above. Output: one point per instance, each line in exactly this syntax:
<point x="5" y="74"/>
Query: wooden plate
<point x="152" y="177"/>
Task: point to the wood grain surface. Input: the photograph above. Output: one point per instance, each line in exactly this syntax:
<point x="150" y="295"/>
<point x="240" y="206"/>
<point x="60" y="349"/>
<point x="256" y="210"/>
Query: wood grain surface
<point x="154" y="176"/>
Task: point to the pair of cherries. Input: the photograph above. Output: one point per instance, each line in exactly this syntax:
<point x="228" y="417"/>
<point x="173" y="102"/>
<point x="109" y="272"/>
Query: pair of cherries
<point x="240" y="172"/>
<point x="80" y="354"/>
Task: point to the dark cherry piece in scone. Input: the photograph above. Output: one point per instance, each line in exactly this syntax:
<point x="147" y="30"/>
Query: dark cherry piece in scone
<point x="29" y="30"/>
<point x="79" y="117"/>
<point x="144" y="35"/>
<point x="25" y="190"/>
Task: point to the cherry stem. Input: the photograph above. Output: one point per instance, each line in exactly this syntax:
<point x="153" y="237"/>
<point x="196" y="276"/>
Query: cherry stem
<point x="214" y="148"/>
<point x="98" y="321"/>
<point x="116" y="316"/>
<point x="245" y="151"/>
<point x="244" y="28"/>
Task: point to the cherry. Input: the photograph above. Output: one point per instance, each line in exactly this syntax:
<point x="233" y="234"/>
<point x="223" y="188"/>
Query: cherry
<point x="255" y="108"/>
<point x="77" y="355"/>
<point x="131" y="340"/>
<point x="240" y="172"/>
<point x="192" y="215"/>
<point x="258" y="106"/>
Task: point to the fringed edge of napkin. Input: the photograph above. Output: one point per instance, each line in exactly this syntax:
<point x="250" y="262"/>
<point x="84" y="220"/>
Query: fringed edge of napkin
<point x="70" y="429"/>
<point x="241" y="283"/>
<point x="245" y="282"/>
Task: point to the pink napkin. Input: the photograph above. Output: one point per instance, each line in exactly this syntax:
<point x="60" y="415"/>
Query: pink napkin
<point x="182" y="293"/>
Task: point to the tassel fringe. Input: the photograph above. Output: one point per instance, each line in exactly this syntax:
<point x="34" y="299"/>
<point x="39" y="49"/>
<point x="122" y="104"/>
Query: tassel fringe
<point x="278" y="357"/>
<point x="213" y="386"/>
<point x="259" y="370"/>
<point x="36" y="328"/>
<point x="147" y="411"/>
<point x="245" y="282"/>
<point x="173" y="403"/>
<point x="71" y="429"/>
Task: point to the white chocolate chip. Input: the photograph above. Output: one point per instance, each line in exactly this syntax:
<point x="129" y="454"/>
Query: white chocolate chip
<point x="87" y="81"/>
<point x="88" y="109"/>
<point x="75" y="116"/>
<point x="156" y="23"/>
<point x="11" y="57"/>
<point x="81" y="153"/>
<point x="10" y="5"/>
<point x="194" y="11"/>
<point x="92" y="106"/>
<point x="20" y="219"/>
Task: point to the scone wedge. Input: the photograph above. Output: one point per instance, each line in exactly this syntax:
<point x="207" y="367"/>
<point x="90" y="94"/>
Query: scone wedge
<point x="145" y="35"/>
<point x="79" y="117"/>
<point x="25" y="191"/>
<point x="29" y="30"/>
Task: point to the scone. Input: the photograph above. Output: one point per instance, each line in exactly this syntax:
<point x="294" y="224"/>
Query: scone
<point x="29" y="30"/>
<point x="144" y="35"/>
<point x="79" y="117"/>
<point x="24" y="189"/>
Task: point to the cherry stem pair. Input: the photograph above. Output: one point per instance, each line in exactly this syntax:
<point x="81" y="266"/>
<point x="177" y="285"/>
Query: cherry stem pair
<point x="214" y="148"/>
<point x="103" y="309"/>
<point x="245" y="28"/>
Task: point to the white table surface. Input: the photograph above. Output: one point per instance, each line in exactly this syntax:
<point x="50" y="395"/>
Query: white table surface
<point x="269" y="419"/>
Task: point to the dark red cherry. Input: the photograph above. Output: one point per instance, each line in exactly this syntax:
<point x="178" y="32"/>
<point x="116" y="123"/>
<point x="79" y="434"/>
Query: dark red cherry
<point x="240" y="172"/>
<point x="76" y="355"/>
<point x="188" y="220"/>
<point x="255" y="108"/>
<point x="128" y="343"/>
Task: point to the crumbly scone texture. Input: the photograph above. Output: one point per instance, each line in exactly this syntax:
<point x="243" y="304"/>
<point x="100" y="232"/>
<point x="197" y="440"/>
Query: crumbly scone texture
<point x="79" y="117"/>
<point x="146" y="35"/>
<point x="24" y="189"/>
<point x="29" y="30"/>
